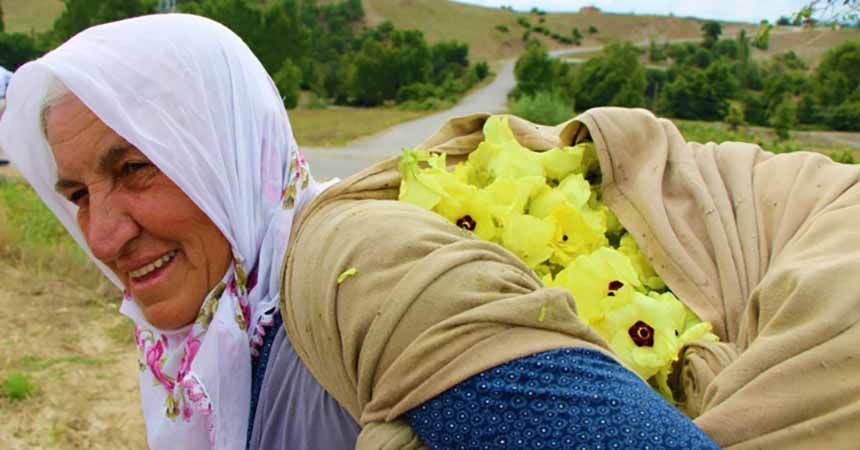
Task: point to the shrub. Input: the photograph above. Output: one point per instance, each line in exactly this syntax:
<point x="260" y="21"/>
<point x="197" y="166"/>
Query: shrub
<point x="316" y="102"/>
<point x="843" y="156"/>
<point x="416" y="92"/>
<point x="18" y="386"/>
<point x="784" y="117"/>
<point x="428" y="104"/>
<point x="288" y="79"/>
<point x="524" y="22"/>
<point x="16" y="49"/>
<point x="545" y="107"/>
<point x="735" y="117"/>
<point x="482" y="69"/>
<point x="502" y="28"/>
<point x="592" y="29"/>
<point x="845" y="117"/>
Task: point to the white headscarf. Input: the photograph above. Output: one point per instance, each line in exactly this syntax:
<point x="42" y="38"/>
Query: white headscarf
<point x="192" y="97"/>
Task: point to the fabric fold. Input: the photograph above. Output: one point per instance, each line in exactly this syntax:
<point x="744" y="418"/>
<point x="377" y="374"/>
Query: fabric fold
<point x="762" y="246"/>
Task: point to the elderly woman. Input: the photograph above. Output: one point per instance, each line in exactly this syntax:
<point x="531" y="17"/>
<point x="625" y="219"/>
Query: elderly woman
<point x="162" y="145"/>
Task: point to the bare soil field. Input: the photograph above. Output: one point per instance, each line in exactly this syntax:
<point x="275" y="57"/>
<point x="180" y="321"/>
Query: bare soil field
<point x="79" y="353"/>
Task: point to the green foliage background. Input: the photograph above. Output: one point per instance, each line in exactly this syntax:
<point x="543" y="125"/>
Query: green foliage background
<point x="704" y="79"/>
<point x="305" y="45"/>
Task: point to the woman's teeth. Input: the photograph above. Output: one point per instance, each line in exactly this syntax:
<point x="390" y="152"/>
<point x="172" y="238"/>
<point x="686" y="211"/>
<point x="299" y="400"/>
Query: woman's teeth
<point x="149" y="268"/>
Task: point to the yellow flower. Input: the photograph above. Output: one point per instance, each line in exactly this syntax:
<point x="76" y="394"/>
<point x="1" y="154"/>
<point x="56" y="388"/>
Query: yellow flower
<point x="578" y="232"/>
<point x="687" y="326"/>
<point x="642" y="334"/>
<point x="469" y="208"/>
<point x="646" y="272"/>
<point x="558" y="163"/>
<point x="501" y="155"/>
<point x="419" y="187"/>
<point x="594" y="277"/>
<point x="574" y="189"/>
<point x="511" y="195"/>
<point x="529" y="238"/>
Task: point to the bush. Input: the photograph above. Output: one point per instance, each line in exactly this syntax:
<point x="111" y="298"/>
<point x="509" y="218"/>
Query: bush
<point x="428" y="104"/>
<point x="546" y="108"/>
<point x="482" y="69"/>
<point x="502" y="28"/>
<point x="592" y="29"/>
<point x="784" y="117"/>
<point x="615" y="78"/>
<point x="288" y="80"/>
<point x="535" y="71"/>
<point x="845" y="117"/>
<point x="316" y="102"/>
<point x="18" y="386"/>
<point x="843" y="156"/>
<point x="735" y="117"/>
<point x="524" y="22"/>
<point x="16" y="49"/>
<point x="417" y="92"/>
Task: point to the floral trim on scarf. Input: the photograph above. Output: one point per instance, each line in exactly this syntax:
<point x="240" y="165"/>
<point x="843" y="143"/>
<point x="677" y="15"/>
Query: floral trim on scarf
<point x="185" y="393"/>
<point x="298" y="175"/>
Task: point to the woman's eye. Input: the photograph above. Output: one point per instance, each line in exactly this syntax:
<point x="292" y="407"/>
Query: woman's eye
<point x="132" y="167"/>
<point x="78" y="196"/>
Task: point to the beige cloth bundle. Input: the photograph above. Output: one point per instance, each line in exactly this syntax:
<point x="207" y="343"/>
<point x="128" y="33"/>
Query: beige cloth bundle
<point x="764" y="247"/>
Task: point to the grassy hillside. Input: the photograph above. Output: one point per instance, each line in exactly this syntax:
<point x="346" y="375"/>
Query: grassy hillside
<point x="26" y="15"/>
<point x="810" y="45"/>
<point x="443" y="19"/>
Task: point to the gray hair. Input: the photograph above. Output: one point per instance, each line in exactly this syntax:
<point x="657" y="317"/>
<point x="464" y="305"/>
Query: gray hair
<point x="56" y="91"/>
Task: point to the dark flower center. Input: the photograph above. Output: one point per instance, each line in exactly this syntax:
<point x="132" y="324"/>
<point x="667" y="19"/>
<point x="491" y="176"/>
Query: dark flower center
<point x="642" y="334"/>
<point x="467" y="222"/>
<point x="564" y="237"/>
<point x="614" y="285"/>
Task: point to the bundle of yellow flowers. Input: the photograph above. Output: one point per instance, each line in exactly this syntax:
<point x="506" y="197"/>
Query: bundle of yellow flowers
<point x="546" y="208"/>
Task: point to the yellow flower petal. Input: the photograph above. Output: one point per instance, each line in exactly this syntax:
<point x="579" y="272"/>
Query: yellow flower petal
<point x="346" y="274"/>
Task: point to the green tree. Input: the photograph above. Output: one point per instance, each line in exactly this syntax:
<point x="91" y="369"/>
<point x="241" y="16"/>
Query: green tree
<point x="282" y="19"/>
<point x="699" y="94"/>
<point x="576" y="34"/>
<point x="727" y="48"/>
<point x="835" y="78"/>
<point x="755" y="108"/>
<point x="655" y="53"/>
<point x="762" y="38"/>
<point x="784" y="117"/>
<point x="287" y="79"/>
<point x="535" y="71"/>
<point x="16" y="49"/>
<point x="711" y="31"/>
<point x="81" y="14"/>
<point x="616" y="78"/>
<point x="735" y="117"/>
<point x="807" y="110"/>
<point x="845" y="117"/>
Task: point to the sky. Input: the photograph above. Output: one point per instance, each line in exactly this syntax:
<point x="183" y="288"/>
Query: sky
<point x="728" y="10"/>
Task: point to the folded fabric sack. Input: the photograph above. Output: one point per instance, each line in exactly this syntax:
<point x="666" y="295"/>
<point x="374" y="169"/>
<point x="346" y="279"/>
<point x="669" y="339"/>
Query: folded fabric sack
<point x="762" y="246"/>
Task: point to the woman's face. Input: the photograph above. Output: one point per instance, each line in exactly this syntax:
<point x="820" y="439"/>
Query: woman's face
<point x="166" y="251"/>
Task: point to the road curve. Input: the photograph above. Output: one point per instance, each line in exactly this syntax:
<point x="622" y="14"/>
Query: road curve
<point x="327" y="162"/>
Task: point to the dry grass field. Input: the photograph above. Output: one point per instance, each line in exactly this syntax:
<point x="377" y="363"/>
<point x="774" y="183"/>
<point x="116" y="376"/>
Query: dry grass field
<point x="26" y="15"/>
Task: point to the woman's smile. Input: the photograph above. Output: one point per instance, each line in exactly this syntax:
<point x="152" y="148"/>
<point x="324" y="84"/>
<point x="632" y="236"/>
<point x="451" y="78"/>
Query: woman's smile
<point x="151" y="274"/>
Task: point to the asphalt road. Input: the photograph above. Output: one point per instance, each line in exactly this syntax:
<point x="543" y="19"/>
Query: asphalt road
<point x="327" y="162"/>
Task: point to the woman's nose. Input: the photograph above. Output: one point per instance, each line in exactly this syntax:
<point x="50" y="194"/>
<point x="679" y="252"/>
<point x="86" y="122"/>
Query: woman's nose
<point x="109" y="226"/>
